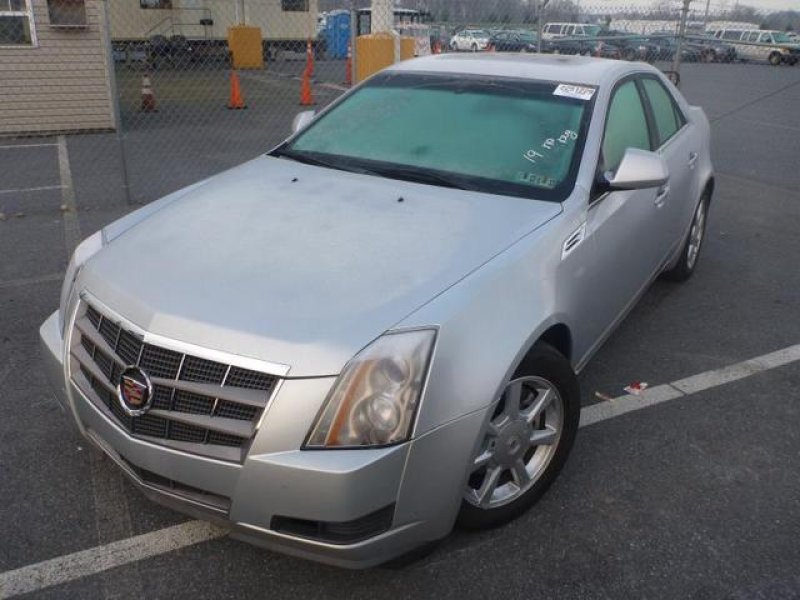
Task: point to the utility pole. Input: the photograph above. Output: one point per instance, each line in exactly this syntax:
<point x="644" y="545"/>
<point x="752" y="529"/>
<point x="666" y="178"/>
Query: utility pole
<point x="540" y="6"/>
<point x="676" y="63"/>
<point x="705" y="19"/>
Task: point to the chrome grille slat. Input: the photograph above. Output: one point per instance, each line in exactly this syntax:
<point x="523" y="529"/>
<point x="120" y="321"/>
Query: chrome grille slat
<point x="237" y="395"/>
<point x="200" y="405"/>
<point x="235" y="427"/>
<point x="89" y="332"/>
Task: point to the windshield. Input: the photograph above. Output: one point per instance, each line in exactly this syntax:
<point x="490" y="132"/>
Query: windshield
<point x="504" y="136"/>
<point x="592" y="30"/>
<point x="781" y="38"/>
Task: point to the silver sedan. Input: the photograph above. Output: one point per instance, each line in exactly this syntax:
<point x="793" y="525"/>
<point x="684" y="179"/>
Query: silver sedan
<point x="345" y="347"/>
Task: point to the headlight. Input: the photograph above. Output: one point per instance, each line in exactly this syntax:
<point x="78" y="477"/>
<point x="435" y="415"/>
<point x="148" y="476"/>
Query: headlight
<point x="374" y="400"/>
<point x="85" y="250"/>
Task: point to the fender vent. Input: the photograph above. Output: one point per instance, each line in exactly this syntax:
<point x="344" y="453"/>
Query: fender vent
<point x="573" y="241"/>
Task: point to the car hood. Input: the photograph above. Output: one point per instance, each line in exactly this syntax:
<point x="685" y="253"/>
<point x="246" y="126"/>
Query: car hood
<point x="300" y="265"/>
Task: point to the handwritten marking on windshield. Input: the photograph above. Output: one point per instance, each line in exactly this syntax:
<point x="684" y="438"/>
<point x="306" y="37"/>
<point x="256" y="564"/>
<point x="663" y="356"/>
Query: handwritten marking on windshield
<point x="549" y="144"/>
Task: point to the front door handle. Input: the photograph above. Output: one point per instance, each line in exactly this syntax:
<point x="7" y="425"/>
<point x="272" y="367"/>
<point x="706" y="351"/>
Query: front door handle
<point x="692" y="159"/>
<point x="661" y="196"/>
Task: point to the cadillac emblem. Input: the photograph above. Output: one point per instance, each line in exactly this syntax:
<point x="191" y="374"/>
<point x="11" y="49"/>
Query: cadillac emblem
<point x="135" y="391"/>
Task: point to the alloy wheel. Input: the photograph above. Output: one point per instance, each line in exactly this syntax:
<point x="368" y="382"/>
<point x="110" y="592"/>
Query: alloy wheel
<point x="518" y="444"/>
<point x="696" y="235"/>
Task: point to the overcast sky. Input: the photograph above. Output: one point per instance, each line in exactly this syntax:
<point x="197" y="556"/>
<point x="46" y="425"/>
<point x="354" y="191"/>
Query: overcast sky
<point x="766" y="5"/>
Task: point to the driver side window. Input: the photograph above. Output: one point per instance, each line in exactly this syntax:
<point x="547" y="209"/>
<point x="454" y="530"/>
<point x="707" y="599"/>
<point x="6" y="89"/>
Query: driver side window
<point x="626" y="126"/>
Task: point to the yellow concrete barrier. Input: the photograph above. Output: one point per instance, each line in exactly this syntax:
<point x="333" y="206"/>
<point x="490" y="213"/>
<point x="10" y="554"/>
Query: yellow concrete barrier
<point x="376" y="51"/>
<point x="246" y="46"/>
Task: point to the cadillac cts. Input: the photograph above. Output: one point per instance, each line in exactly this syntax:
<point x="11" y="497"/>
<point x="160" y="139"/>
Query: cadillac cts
<point x="345" y="347"/>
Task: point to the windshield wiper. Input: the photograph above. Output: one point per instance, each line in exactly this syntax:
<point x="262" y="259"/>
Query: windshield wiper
<point x="411" y="174"/>
<point x="421" y="176"/>
<point x="307" y="159"/>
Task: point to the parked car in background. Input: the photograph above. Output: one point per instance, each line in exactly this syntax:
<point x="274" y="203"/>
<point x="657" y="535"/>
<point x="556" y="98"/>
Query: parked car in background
<point x="514" y="41"/>
<point x="589" y="47"/>
<point x="310" y="348"/>
<point x="632" y="46"/>
<point x="665" y="46"/>
<point x="470" y="40"/>
<point x="775" y="47"/>
<point x="714" y="50"/>
<point x="557" y="30"/>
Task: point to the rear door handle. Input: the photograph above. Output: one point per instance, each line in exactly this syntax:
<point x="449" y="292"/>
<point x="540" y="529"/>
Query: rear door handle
<point x="661" y="196"/>
<point x="692" y="159"/>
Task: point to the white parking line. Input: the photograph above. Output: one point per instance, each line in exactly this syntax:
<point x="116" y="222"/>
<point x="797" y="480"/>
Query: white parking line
<point x="13" y="146"/>
<point x="690" y="385"/>
<point x="72" y="227"/>
<point x="101" y="558"/>
<point x="12" y="283"/>
<point x="43" y="188"/>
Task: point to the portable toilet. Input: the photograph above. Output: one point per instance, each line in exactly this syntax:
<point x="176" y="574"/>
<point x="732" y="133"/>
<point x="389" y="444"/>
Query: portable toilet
<point x="337" y="33"/>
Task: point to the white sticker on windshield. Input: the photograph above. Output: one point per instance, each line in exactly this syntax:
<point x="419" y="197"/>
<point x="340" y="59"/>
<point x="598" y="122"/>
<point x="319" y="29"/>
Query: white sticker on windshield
<point x="574" y="91"/>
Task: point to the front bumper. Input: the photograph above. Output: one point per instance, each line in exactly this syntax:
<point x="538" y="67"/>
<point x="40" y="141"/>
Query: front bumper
<point x="418" y="484"/>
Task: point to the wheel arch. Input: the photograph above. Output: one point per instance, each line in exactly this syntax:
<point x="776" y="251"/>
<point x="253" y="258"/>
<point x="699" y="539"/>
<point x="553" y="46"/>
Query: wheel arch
<point x="708" y="188"/>
<point x="559" y="337"/>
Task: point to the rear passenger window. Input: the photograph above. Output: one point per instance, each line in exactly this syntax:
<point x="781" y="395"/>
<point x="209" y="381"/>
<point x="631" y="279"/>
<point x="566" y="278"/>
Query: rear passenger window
<point x="626" y="126"/>
<point x="667" y="115"/>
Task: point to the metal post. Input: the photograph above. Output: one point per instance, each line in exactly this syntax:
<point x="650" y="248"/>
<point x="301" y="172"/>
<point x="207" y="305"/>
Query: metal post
<point x="538" y="12"/>
<point x="676" y="63"/>
<point x="705" y="18"/>
<point x="114" y="93"/>
<point x="238" y="7"/>
<point x="353" y="36"/>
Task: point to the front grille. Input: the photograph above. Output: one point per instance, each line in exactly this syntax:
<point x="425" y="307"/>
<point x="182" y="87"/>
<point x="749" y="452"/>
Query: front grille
<point x="222" y="503"/>
<point x="200" y="406"/>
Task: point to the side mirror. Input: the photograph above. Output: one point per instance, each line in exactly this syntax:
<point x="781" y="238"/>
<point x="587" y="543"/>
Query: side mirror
<point x="302" y="120"/>
<point x="639" y="169"/>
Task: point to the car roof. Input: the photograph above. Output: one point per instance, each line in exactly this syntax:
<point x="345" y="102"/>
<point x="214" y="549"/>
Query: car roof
<point x="546" y="67"/>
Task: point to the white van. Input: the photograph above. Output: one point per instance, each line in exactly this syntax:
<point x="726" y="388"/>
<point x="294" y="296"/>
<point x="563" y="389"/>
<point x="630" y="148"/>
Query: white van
<point x="557" y="30"/>
<point x="755" y="44"/>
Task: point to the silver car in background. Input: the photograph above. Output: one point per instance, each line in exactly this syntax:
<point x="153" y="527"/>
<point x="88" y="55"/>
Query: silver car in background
<point x="346" y="346"/>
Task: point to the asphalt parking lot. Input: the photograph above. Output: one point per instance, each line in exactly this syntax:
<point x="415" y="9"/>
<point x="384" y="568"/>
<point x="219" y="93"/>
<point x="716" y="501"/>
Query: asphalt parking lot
<point x="697" y="497"/>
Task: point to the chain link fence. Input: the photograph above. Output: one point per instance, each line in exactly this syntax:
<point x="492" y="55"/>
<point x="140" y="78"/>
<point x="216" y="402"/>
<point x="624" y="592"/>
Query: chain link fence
<point x="158" y="94"/>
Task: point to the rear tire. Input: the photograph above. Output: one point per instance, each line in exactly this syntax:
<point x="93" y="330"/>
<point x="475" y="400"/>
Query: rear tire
<point x="690" y="253"/>
<point x="525" y="442"/>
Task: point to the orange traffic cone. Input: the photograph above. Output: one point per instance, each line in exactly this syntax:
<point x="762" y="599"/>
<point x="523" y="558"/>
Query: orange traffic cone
<point x="237" y="99"/>
<point x="306" y="95"/>
<point x="148" y="96"/>
<point x="309" y="59"/>
<point x="348" y="66"/>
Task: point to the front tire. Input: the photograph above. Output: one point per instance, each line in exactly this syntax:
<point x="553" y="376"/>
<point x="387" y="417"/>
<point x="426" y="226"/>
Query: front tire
<point x="775" y="59"/>
<point x="525" y="442"/>
<point x="690" y="254"/>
